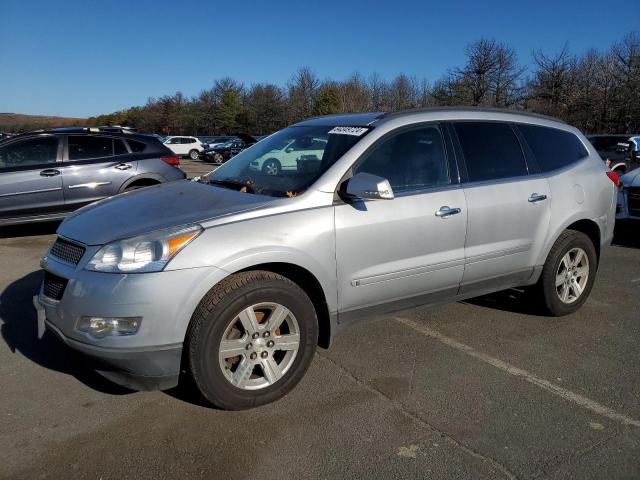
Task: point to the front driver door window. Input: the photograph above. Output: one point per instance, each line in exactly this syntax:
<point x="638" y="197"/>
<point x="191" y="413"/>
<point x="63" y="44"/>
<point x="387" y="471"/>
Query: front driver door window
<point x="30" y="181"/>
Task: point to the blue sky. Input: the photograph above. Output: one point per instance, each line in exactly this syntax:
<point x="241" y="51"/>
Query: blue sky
<point x="80" y="58"/>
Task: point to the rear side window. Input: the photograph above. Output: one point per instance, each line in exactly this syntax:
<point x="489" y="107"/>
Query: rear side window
<point x="87" y="147"/>
<point x="119" y="148"/>
<point x="553" y="148"/>
<point x="491" y="151"/>
<point x="136" y="147"/>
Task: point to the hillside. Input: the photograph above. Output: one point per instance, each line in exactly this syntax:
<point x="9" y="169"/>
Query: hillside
<point x="13" y="122"/>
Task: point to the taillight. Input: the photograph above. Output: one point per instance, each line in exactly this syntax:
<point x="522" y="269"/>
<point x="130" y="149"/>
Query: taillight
<point x="172" y="160"/>
<point x="613" y="176"/>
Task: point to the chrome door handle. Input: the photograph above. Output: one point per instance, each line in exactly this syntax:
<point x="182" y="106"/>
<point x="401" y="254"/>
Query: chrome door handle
<point x="536" y="198"/>
<point x="123" y="166"/>
<point x="446" y="212"/>
<point x="49" y="172"/>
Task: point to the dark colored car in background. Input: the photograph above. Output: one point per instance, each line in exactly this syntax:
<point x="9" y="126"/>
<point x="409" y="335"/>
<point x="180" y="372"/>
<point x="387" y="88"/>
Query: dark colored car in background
<point x="46" y="174"/>
<point x="213" y="140"/>
<point x="223" y="152"/>
<point x="620" y="152"/>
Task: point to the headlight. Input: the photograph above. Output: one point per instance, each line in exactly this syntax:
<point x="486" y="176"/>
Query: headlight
<point x="146" y="253"/>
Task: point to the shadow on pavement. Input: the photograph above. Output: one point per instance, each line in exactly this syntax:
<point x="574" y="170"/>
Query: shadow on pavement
<point x="627" y="234"/>
<point x="512" y="300"/>
<point x="19" y="331"/>
<point x="29" y="229"/>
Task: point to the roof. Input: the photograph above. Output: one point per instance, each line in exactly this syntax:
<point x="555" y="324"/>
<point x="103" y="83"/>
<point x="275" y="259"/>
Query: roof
<point x="112" y="131"/>
<point x="368" y="119"/>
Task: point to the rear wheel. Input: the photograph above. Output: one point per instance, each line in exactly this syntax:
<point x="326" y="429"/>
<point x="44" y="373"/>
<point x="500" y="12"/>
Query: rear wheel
<point x="218" y="158"/>
<point x="194" y="154"/>
<point x="568" y="274"/>
<point x="251" y="340"/>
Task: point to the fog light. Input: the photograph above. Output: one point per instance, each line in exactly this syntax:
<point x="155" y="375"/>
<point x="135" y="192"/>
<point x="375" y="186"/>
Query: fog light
<point x="100" y="327"/>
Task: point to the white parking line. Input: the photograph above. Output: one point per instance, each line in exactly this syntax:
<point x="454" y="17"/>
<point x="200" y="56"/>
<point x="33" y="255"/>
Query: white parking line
<point x="518" y="372"/>
<point x="635" y="280"/>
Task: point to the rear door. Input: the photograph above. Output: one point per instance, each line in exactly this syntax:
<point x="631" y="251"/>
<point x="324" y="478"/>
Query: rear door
<point x="508" y="209"/>
<point x="94" y="167"/>
<point x="403" y="252"/>
<point x="30" y="180"/>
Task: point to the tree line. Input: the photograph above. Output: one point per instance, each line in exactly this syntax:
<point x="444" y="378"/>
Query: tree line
<point x="597" y="91"/>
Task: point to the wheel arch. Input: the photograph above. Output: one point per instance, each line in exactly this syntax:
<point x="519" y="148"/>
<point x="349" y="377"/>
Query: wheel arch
<point x="311" y="285"/>
<point x="143" y="180"/>
<point x="587" y="226"/>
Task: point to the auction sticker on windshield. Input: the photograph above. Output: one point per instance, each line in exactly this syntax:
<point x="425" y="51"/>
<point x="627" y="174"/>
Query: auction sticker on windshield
<point x="357" y="131"/>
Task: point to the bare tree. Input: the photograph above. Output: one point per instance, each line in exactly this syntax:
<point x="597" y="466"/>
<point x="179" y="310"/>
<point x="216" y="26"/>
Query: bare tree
<point x="302" y="87"/>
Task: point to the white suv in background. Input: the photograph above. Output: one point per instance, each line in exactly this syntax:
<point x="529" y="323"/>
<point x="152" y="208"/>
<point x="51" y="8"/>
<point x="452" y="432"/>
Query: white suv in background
<point x="185" y="146"/>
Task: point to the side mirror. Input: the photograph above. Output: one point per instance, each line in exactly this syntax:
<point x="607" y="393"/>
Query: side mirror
<point x="289" y="149"/>
<point x="366" y="186"/>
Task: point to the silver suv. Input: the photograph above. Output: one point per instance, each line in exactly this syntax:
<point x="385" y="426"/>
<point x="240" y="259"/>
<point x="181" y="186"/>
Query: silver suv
<point x="234" y="280"/>
<point x="46" y="174"/>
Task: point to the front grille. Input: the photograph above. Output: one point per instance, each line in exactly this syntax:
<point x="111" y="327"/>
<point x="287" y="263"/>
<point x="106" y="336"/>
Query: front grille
<point x="633" y="201"/>
<point x="67" y="251"/>
<point x="53" y="286"/>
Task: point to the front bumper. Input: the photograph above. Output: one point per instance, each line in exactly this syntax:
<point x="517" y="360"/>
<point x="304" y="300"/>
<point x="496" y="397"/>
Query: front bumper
<point x="147" y="360"/>
<point x="137" y="369"/>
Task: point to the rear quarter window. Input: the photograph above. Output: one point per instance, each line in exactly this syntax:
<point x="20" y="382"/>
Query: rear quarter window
<point x="137" y="147"/>
<point x="553" y="148"/>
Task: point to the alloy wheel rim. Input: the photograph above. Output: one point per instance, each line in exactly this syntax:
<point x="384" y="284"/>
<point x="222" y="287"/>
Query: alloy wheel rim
<point x="259" y="346"/>
<point x="272" y="168"/>
<point x="572" y="275"/>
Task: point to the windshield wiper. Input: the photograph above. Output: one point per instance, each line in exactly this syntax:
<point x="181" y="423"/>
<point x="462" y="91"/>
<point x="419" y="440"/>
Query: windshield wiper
<point x="230" y="182"/>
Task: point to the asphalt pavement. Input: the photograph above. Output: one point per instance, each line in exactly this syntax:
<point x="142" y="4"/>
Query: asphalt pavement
<point x="486" y="388"/>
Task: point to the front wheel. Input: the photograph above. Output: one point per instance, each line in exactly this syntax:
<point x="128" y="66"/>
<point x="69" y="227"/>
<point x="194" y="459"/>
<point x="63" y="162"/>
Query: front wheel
<point x="271" y="167"/>
<point x="218" y="158"/>
<point x="194" y="154"/>
<point x="568" y="273"/>
<point x="251" y="340"/>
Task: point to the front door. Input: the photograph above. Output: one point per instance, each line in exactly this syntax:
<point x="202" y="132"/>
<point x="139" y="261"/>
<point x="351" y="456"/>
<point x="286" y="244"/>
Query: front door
<point x="30" y="181"/>
<point x="409" y="250"/>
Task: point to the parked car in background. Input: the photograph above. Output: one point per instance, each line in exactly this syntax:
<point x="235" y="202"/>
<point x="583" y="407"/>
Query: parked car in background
<point x="238" y="278"/>
<point x="629" y="196"/>
<point x="46" y="174"/>
<point x="619" y="152"/>
<point x="289" y="153"/>
<point x="185" y="146"/>
<point x="212" y="141"/>
<point x="224" y="151"/>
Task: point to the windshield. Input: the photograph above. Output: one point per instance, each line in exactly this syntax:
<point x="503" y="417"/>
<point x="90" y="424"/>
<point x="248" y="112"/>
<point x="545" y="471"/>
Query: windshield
<point x="286" y="163"/>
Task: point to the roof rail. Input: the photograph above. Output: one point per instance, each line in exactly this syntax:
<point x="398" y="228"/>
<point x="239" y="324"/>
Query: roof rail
<point x="469" y="109"/>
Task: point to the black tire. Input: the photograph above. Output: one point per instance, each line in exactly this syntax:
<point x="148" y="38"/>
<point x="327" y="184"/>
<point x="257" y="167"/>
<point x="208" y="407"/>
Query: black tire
<point x="218" y="158"/>
<point x="271" y="166"/>
<point x="546" y="288"/>
<point x="194" y="154"/>
<point x="217" y="311"/>
<point x="620" y="171"/>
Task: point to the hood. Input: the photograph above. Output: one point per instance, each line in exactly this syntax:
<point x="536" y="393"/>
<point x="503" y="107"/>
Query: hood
<point x="143" y="211"/>
<point x="631" y="179"/>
